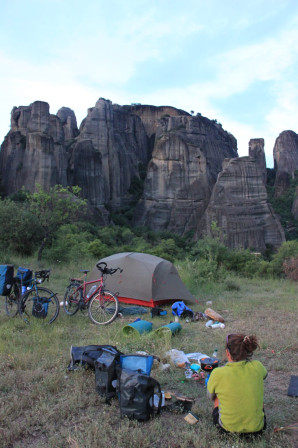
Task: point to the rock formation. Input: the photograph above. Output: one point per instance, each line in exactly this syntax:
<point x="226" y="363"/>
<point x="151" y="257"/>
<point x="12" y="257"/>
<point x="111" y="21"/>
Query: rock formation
<point x="257" y="152"/>
<point x="186" y="159"/>
<point x="33" y="151"/>
<point x="285" y="153"/>
<point x="186" y="186"/>
<point x="106" y="155"/>
<point x="239" y="207"/>
<point x="295" y="205"/>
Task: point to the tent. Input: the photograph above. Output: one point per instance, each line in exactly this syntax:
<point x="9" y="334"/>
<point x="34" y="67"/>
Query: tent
<point x="146" y="280"/>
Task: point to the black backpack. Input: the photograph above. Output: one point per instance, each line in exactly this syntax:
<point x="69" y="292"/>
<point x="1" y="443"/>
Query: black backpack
<point x="139" y="395"/>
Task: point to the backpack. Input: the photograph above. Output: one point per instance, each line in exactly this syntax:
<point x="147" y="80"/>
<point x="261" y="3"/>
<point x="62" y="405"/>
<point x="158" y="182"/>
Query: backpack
<point x="105" y="372"/>
<point x="6" y="279"/>
<point x="24" y="274"/>
<point x="139" y="395"/>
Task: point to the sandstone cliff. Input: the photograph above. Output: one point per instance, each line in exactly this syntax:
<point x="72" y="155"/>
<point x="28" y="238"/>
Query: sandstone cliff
<point x="239" y="206"/>
<point x="187" y="156"/>
<point x="257" y="152"/>
<point x="285" y="154"/>
<point x="33" y="151"/>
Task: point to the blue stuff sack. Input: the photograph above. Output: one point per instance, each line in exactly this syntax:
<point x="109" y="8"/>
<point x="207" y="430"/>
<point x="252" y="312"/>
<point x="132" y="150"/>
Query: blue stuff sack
<point x="181" y="310"/>
<point x="137" y="363"/>
<point x="6" y="279"/>
<point x="26" y="274"/>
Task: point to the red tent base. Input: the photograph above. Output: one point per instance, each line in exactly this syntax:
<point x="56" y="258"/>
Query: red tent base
<point x="150" y="303"/>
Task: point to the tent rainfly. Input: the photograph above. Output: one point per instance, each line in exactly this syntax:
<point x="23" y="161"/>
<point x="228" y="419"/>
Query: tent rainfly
<point x="146" y="280"/>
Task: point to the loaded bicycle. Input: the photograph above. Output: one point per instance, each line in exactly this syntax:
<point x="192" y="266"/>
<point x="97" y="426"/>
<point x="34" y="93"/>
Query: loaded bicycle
<point x="39" y="302"/>
<point x="102" y="305"/>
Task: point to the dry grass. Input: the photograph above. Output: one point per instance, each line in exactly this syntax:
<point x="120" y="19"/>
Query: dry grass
<point x="44" y="405"/>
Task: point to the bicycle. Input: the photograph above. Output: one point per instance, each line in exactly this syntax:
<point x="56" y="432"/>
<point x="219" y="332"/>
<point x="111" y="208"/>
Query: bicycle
<point x="102" y="304"/>
<point x="39" y="302"/>
<point x="13" y="298"/>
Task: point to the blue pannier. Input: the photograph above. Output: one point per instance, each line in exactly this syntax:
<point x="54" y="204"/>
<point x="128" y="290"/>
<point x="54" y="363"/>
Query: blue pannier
<point x="6" y="279"/>
<point x="26" y="274"/>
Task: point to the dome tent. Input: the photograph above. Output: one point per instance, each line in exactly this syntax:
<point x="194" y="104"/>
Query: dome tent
<point x="146" y="280"/>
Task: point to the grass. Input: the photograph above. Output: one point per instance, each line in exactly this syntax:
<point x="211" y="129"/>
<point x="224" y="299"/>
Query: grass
<point x="44" y="405"/>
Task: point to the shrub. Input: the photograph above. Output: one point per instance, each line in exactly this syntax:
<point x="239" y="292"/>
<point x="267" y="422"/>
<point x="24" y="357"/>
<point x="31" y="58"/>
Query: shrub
<point x="290" y="268"/>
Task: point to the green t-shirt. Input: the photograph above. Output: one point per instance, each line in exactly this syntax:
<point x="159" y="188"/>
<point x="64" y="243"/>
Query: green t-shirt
<point x="239" y="387"/>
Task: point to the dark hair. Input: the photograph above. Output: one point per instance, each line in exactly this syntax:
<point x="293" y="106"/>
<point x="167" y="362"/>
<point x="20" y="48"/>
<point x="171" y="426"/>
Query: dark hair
<point x="241" y="347"/>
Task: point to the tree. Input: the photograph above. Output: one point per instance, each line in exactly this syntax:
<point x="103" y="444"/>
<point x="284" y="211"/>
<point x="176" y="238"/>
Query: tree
<point x="55" y="207"/>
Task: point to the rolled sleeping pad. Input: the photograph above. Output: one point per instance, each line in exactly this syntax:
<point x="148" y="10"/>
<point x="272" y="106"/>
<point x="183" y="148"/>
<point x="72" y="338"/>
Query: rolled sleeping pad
<point x="173" y="328"/>
<point x="137" y="328"/>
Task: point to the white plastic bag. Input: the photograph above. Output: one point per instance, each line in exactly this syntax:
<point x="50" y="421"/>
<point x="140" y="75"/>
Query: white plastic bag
<point x="177" y="356"/>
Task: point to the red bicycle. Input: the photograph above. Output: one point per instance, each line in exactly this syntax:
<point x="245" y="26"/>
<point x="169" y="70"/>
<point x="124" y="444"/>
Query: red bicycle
<point x="102" y="305"/>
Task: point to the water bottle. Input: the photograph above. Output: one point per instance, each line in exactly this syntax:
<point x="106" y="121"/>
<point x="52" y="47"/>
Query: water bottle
<point x="91" y="291"/>
<point x="214" y="355"/>
<point x="209" y="323"/>
<point x="218" y="325"/>
<point x="188" y="373"/>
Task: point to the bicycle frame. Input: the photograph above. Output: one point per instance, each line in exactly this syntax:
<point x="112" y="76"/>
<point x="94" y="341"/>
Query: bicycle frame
<point x="92" y="282"/>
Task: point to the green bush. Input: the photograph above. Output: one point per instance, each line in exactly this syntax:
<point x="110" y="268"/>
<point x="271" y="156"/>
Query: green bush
<point x="20" y="232"/>
<point x="98" y="249"/>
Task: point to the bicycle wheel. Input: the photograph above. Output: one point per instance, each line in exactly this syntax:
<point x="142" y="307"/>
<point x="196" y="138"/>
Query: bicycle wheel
<point x="103" y="308"/>
<point x="72" y="298"/>
<point x="12" y="300"/>
<point x="42" y="304"/>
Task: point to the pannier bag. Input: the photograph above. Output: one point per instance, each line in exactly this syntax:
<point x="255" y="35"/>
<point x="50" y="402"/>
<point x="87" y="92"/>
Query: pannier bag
<point x="105" y="372"/>
<point x="6" y="279"/>
<point x="40" y="307"/>
<point x="25" y="274"/>
<point x="86" y="355"/>
<point x="139" y="395"/>
<point x="138" y="363"/>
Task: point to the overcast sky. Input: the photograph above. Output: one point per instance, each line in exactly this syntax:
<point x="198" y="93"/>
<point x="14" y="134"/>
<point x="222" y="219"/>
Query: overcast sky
<point x="229" y="60"/>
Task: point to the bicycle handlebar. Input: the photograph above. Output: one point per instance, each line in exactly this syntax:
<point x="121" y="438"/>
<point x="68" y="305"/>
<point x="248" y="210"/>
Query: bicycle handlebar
<point x="102" y="267"/>
<point x="43" y="275"/>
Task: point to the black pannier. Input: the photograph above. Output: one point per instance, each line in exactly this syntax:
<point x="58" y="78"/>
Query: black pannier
<point x="139" y="395"/>
<point x="86" y="355"/>
<point x="105" y="372"/>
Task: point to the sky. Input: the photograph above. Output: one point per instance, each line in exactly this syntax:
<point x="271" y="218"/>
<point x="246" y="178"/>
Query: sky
<point x="229" y="60"/>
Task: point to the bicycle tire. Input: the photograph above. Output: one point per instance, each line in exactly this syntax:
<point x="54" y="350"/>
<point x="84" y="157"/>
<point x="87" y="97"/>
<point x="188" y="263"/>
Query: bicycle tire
<point x="103" y="308"/>
<point x="12" y="300"/>
<point x="33" y="302"/>
<point x="72" y="298"/>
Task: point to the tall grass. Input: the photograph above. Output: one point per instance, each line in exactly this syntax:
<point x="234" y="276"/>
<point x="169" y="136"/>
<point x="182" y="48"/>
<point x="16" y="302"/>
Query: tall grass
<point x="44" y="405"/>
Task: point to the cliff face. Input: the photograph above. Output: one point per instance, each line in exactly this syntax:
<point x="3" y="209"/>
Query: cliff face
<point x="257" y="152"/>
<point x="33" y="151"/>
<point x="186" y="159"/>
<point x="239" y="206"/>
<point x="185" y="188"/>
<point x="285" y="154"/>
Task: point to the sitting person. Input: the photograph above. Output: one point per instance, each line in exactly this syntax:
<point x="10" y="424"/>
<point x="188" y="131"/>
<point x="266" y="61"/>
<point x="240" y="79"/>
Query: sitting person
<point x="237" y="389"/>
